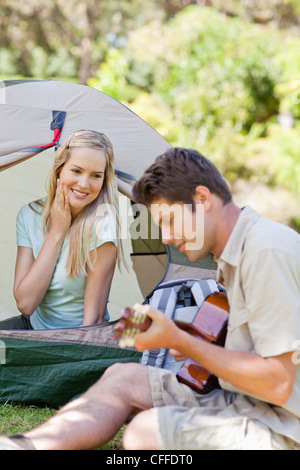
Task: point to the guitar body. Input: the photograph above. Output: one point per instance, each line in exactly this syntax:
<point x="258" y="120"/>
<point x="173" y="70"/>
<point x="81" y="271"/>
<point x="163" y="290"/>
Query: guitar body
<point x="209" y="324"/>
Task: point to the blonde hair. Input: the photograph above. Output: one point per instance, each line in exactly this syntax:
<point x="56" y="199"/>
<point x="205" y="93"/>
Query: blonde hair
<point x="81" y="228"/>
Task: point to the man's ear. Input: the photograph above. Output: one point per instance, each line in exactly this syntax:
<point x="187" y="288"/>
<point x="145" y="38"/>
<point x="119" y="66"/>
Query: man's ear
<point x="203" y="196"/>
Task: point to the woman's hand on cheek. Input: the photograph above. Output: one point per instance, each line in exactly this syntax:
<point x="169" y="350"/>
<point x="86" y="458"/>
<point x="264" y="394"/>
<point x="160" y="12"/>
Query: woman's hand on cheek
<point x="60" y="212"/>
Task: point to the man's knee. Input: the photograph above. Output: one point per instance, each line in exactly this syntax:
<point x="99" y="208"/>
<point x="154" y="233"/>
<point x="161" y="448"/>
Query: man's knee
<point x="120" y="370"/>
<point x="119" y="375"/>
<point x="141" y="432"/>
<point x="129" y="382"/>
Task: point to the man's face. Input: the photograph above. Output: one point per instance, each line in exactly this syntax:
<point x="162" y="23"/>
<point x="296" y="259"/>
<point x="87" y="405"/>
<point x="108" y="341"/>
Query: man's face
<point x="182" y="226"/>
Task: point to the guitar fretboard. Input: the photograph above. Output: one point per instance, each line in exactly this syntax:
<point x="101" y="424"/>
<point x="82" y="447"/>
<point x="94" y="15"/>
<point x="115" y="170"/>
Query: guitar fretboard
<point x="134" y="320"/>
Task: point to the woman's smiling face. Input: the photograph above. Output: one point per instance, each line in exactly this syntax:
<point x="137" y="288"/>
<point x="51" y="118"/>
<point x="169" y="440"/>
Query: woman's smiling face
<point x="82" y="177"/>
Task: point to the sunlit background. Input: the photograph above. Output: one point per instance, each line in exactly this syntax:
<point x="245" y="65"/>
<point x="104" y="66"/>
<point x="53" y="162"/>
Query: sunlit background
<point x="222" y="77"/>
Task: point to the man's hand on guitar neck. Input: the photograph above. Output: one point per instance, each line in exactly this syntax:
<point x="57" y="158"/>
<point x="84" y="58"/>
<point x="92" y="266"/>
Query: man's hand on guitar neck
<point x="162" y="333"/>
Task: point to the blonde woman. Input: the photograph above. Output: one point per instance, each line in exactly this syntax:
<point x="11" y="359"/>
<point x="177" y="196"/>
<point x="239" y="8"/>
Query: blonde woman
<point x="67" y="244"/>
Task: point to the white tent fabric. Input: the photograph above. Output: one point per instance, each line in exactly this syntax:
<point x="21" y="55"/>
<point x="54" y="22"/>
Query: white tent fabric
<point x="26" y="113"/>
<point x="25" y="116"/>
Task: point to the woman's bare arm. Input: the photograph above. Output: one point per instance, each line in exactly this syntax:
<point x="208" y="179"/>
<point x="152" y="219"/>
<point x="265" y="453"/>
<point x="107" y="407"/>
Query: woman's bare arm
<point x="33" y="276"/>
<point x="98" y="284"/>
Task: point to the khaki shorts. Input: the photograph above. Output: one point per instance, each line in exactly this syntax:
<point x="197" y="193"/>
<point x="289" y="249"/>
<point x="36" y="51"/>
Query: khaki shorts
<point x="220" y="420"/>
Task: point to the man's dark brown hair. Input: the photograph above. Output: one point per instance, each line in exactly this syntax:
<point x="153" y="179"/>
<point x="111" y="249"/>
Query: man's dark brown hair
<point x="175" y="175"/>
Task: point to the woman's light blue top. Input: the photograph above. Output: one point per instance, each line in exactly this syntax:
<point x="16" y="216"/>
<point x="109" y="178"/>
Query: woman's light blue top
<point x="63" y="304"/>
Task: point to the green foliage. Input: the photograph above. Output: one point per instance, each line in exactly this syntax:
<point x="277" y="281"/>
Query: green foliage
<point x="58" y="64"/>
<point x="202" y="79"/>
<point x="215" y="83"/>
<point x="208" y="66"/>
<point x="288" y="88"/>
<point x="7" y="62"/>
<point x="278" y="151"/>
<point x="111" y="77"/>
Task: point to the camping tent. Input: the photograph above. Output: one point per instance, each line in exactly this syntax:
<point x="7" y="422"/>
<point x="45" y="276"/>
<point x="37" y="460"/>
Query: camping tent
<point x="35" y="117"/>
<point x="37" y="114"/>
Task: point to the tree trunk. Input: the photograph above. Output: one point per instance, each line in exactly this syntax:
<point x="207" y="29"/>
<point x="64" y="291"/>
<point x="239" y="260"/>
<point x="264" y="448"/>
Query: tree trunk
<point x="85" y="62"/>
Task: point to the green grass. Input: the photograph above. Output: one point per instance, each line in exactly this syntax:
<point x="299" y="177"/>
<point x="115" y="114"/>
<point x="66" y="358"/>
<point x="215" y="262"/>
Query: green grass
<point x="18" y="419"/>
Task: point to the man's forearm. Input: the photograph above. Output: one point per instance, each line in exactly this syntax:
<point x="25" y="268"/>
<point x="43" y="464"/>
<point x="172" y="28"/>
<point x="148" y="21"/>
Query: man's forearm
<point x="270" y="379"/>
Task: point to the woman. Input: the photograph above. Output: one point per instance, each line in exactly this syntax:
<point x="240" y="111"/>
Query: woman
<point x="67" y="244"/>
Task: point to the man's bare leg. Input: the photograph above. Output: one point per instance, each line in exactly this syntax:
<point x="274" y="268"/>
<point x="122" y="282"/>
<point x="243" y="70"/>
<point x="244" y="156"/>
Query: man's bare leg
<point x="141" y="433"/>
<point x="94" y="418"/>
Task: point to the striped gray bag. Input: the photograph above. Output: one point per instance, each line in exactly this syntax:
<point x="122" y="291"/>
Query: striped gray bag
<point x="179" y="300"/>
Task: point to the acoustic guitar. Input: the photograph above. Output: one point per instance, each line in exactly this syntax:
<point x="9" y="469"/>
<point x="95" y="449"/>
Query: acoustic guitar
<point x="209" y="324"/>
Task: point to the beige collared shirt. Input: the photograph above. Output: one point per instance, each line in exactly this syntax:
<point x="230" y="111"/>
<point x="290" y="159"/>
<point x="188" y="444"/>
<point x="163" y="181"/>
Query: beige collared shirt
<point x="260" y="269"/>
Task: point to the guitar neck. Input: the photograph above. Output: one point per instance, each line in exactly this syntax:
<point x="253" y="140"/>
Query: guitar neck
<point x="132" y="322"/>
<point x="209" y="321"/>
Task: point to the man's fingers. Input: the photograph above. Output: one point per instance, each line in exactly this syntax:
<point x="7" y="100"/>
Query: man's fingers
<point x="178" y="356"/>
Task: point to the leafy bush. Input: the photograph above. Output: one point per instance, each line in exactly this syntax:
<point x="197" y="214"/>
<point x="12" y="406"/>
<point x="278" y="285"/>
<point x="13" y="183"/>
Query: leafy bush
<point x="7" y="66"/>
<point x="214" y="83"/>
<point x="210" y="67"/>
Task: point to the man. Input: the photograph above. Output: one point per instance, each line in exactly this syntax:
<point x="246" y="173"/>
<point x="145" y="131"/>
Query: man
<point x="258" y="406"/>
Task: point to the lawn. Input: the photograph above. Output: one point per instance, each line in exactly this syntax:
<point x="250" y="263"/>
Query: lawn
<point x="17" y="419"/>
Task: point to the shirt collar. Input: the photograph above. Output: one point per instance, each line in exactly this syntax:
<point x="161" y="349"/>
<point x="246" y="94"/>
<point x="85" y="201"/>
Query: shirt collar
<point x="234" y="246"/>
